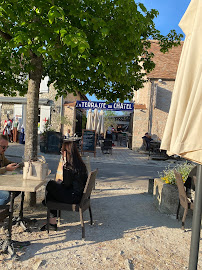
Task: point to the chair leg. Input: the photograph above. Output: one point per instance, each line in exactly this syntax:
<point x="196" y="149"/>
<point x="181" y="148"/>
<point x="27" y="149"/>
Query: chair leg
<point x="59" y="216"/>
<point x="48" y="218"/>
<point x="91" y="217"/>
<point x="178" y="209"/>
<point x="82" y="222"/>
<point x="184" y="217"/>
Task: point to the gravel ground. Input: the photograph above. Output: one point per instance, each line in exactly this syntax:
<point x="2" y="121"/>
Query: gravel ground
<point x="128" y="233"/>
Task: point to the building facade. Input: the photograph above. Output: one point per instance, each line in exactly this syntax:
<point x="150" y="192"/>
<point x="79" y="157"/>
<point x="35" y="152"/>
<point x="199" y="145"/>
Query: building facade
<point x="57" y="112"/>
<point x="152" y="102"/>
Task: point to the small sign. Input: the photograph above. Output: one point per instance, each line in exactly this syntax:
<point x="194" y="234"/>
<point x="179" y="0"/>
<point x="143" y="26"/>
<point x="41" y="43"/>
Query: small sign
<point x="88" y="141"/>
<point x="115" y="106"/>
<point x="7" y="111"/>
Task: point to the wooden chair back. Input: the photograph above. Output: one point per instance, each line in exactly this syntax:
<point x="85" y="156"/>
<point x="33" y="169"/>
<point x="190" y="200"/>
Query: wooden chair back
<point x="81" y="207"/>
<point x="181" y="189"/>
<point x="90" y="184"/>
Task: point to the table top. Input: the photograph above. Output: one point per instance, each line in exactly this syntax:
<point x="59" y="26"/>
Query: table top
<point x="16" y="182"/>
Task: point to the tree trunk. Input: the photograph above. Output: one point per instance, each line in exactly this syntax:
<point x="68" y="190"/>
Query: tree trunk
<point x="31" y="130"/>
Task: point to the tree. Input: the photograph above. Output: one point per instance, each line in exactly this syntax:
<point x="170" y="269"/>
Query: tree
<point x="94" y="46"/>
<point x="109" y="119"/>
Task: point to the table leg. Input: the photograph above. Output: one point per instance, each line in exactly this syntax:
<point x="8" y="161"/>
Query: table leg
<point x="21" y="205"/>
<point x="8" y="245"/>
<point x="20" y="220"/>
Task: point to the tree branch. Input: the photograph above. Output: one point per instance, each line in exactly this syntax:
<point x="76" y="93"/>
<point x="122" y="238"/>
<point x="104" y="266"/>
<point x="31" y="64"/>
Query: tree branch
<point x="5" y="36"/>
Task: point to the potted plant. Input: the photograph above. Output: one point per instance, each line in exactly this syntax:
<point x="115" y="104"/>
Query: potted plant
<point x="165" y="191"/>
<point x="168" y="175"/>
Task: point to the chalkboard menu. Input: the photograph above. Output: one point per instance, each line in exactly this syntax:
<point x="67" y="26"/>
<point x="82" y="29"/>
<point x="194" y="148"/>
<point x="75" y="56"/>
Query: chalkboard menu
<point x="54" y="142"/>
<point x="88" y="141"/>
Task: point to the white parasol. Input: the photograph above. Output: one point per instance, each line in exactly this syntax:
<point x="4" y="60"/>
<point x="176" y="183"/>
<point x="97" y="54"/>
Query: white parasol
<point x="89" y="123"/>
<point x="183" y="127"/>
<point x="96" y="119"/>
<point x="100" y="126"/>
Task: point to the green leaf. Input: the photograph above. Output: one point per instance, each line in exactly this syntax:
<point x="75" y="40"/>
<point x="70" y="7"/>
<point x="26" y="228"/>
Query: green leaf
<point x="37" y="10"/>
<point x="41" y="50"/>
<point x="2" y="12"/>
<point x="143" y="8"/>
<point x="81" y="49"/>
<point x="105" y="31"/>
<point x="55" y="13"/>
<point x="63" y="32"/>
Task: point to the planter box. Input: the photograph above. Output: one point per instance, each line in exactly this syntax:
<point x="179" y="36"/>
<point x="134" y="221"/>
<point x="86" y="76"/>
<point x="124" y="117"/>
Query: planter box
<point x="166" y="197"/>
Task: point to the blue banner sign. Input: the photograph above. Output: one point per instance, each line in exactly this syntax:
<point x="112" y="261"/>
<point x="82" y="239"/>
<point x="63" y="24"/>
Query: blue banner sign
<point x="115" y="106"/>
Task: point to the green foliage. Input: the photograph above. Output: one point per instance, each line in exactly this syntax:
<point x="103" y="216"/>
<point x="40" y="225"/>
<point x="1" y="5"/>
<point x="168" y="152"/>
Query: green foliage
<point x="64" y="120"/>
<point x="96" y="47"/>
<point x="168" y="175"/>
<point x="109" y="119"/>
<point x="47" y="127"/>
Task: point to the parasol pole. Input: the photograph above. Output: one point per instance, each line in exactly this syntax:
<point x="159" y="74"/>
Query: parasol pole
<point x="196" y="223"/>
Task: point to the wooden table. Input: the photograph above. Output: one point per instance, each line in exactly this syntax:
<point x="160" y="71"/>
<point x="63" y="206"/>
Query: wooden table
<point x="15" y="183"/>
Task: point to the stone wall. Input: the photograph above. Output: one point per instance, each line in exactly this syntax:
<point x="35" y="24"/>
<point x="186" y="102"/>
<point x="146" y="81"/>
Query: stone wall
<point x="165" y="196"/>
<point x="70" y="114"/>
<point x="68" y="120"/>
<point x="159" y="106"/>
<point x="141" y="116"/>
<point x="156" y="96"/>
<point x="140" y="126"/>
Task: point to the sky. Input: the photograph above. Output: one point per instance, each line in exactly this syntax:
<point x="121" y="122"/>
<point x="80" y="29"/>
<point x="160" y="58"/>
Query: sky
<point x="170" y="14"/>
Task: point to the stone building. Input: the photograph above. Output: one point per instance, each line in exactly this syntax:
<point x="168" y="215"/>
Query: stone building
<point x="152" y="102"/>
<point x="61" y="113"/>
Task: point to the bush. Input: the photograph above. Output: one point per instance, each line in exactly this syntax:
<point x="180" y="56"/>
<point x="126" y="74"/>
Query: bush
<point x="168" y="175"/>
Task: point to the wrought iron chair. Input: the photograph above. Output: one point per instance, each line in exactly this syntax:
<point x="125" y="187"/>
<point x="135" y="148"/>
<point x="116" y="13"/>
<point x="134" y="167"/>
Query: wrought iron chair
<point x="106" y="146"/>
<point x="81" y="207"/>
<point x="183" y="199"/>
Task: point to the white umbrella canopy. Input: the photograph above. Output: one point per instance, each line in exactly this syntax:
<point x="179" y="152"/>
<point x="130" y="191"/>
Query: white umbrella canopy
<point x="99" y="122"/>
<point x="96" y="119"/>
<point x="102" y="130"/>
<point x="89" y="123"/>
<point x="183" y="127"/>
<point x="182" y="132"/>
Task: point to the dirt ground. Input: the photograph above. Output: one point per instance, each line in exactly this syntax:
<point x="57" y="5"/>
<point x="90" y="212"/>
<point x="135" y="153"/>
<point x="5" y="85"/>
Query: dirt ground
<point x="128" y="233"/>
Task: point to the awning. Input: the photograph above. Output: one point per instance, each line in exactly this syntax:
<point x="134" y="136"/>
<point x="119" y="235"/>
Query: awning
<point x="21" y="100"/>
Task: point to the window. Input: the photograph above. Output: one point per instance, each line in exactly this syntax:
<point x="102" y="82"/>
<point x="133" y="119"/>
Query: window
<point x="44" y="85"/>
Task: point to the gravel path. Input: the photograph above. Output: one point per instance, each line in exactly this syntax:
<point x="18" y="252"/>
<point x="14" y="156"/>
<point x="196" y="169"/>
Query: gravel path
<point x="128" y="233"/>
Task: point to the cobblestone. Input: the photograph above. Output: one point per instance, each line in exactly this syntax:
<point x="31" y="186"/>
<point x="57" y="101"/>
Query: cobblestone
<point x="120" y="155"/>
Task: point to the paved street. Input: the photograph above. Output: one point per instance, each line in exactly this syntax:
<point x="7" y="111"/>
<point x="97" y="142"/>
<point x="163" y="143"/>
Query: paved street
<point x="124" y="165"/>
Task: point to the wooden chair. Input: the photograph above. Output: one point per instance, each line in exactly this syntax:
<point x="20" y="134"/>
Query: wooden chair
<point x="81" y="207"/>
<point x="183" y="199"/>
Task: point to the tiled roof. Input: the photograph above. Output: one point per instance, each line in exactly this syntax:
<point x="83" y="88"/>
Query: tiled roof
<point x="166" y="64"/>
